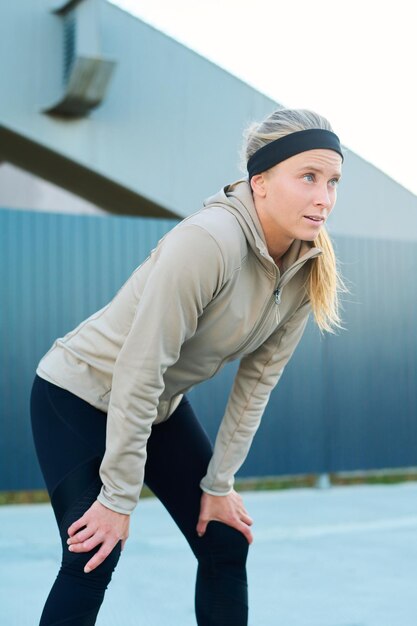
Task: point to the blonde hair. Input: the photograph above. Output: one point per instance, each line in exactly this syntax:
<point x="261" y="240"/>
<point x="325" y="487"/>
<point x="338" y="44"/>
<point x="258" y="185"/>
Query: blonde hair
<point x="324" y="282"/>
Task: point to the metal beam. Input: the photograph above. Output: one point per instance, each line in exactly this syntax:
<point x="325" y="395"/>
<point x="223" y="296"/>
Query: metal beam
<point x="75" y="177"/>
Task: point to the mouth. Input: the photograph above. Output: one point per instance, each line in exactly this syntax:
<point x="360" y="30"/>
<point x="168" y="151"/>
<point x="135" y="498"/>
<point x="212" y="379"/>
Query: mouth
<point x="316" y="219"/>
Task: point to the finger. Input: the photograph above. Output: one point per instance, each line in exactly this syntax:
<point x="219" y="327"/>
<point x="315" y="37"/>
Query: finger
<point x="99" y="557"/>
<point x="86" y="546"/>
<point x="81" y="536"/>
<point x="77" y="525"/>
<point x="246" y="519"/>
<point x="245" y="530"/>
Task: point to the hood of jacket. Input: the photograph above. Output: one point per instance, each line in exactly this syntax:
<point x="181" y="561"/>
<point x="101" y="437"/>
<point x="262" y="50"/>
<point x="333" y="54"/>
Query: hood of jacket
<point x="237" y="198"/>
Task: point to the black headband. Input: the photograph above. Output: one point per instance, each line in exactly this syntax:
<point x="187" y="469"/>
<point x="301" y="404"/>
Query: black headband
<point x="289" y="145"/>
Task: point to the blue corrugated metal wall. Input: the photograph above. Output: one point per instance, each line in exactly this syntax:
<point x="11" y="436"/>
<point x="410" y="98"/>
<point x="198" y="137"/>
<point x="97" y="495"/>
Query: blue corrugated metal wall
<point x="345" y="402"/>
<point x="55" y="270"/>
<point x="349" y="401"/>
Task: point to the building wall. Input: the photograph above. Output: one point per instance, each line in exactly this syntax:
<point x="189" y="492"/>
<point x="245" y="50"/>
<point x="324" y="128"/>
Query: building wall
<point x="169" y="130"/>
<point x="22" y="190"/>
<point x="166" y="136"/>
<point x="55" y="270"/>
<point x="345" y="402"/>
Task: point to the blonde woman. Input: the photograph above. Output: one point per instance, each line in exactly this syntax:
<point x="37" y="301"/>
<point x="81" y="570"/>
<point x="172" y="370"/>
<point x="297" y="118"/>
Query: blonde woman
<point x="236" y="280"/>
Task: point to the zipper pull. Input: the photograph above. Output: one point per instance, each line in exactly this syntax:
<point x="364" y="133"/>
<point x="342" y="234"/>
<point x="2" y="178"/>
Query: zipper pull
<point x="277" y="294"/>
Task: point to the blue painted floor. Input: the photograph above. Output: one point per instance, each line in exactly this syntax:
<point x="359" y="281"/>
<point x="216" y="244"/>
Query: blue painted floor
<point x="344" y="556"/>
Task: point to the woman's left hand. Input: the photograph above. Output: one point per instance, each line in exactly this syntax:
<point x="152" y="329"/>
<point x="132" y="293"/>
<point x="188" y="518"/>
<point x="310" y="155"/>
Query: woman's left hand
<point x="228" y="509"/>
<point x="98" y="525"/>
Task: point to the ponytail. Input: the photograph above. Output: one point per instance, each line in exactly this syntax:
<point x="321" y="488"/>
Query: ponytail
<point x="325" y="284"/>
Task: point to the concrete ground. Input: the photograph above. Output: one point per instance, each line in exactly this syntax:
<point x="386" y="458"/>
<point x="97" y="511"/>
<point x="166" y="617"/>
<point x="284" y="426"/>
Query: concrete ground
<point x="344" y="556"/>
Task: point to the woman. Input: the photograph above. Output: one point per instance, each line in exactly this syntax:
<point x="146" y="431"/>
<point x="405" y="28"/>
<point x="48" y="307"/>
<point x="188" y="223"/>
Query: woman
<point x="235" y="280"/>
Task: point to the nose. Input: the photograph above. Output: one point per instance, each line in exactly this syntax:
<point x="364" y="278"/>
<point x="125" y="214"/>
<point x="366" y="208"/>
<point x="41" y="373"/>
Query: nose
<point x="323" y="197"/>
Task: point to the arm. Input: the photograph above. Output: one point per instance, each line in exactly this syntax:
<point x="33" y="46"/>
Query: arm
<point x="258" y="374"/>
<point x="186" y="274"/>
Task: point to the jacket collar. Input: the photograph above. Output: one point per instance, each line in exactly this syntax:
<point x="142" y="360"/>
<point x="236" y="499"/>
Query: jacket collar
<point x="237" y="198"/>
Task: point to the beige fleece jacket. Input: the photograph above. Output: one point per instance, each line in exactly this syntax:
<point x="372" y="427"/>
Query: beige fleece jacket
<point x="208" y="293"/>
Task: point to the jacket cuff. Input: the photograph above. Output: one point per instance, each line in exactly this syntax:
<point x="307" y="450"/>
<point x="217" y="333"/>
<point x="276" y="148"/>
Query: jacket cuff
<point x="213" y="492"/>
<point x="117" y="509"/>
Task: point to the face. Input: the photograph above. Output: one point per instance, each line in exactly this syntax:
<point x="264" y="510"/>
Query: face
<point x="294" y="198"/>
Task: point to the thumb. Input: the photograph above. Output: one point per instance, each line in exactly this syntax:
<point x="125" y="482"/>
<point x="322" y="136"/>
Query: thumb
<point x="201" y="527"/>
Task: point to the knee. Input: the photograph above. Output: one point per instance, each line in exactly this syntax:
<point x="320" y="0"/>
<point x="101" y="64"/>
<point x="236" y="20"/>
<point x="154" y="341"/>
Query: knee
<point x="73" y="565"/>
<point x="223" y="546"/>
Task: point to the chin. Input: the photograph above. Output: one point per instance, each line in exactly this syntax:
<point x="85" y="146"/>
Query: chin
<point x="309" y="236"/>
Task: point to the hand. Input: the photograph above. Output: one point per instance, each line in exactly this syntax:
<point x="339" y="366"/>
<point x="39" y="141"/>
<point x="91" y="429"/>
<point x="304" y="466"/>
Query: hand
<point x="228" y="509"/>
<point x="103" y="526"/>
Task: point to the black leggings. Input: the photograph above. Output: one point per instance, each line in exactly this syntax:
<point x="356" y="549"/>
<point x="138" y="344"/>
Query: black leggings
<point x="69" y="436"/>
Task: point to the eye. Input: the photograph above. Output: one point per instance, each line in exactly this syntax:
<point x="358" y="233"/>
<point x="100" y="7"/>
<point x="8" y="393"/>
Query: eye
<point x="309" y="176"/>
<point x="335" y="181"/>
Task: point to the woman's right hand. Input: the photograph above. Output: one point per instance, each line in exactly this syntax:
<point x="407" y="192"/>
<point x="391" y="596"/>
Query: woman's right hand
<point x="103" y="526"/>
<point x="228" y="509"/>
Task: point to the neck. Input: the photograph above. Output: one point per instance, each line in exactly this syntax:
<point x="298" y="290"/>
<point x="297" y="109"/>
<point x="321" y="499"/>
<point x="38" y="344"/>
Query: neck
<point x="277" y="243"/>
<point x="279" y="264"/>
<point x="277" y="249"/>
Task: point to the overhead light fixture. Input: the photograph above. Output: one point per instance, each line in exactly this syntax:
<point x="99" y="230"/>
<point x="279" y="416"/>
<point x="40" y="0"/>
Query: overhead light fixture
<point x="86" y="72"/>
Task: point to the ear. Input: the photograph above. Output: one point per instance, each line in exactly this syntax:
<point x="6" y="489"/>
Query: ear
<point x="257" y="183"/>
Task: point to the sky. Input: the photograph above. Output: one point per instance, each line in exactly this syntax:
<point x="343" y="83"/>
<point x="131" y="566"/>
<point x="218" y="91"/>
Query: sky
<point x="353" y="61"/>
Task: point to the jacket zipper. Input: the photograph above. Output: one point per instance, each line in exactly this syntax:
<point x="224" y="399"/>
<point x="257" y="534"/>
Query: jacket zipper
<point x="285" y="278"/>
<point x="277" y="301"/>
<point x="277" y="296"/>
<point x="280" y="284"/>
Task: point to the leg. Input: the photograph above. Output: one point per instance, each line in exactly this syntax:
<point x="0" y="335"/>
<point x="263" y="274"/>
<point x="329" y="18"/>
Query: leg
<point x="178" y="453"/>
<point x="69" y="436"/>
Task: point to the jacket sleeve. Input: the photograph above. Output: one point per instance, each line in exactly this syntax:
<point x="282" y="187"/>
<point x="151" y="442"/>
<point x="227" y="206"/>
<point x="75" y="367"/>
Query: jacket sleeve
<point x="186" y="274"/>
<point x="257" y="375"/>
